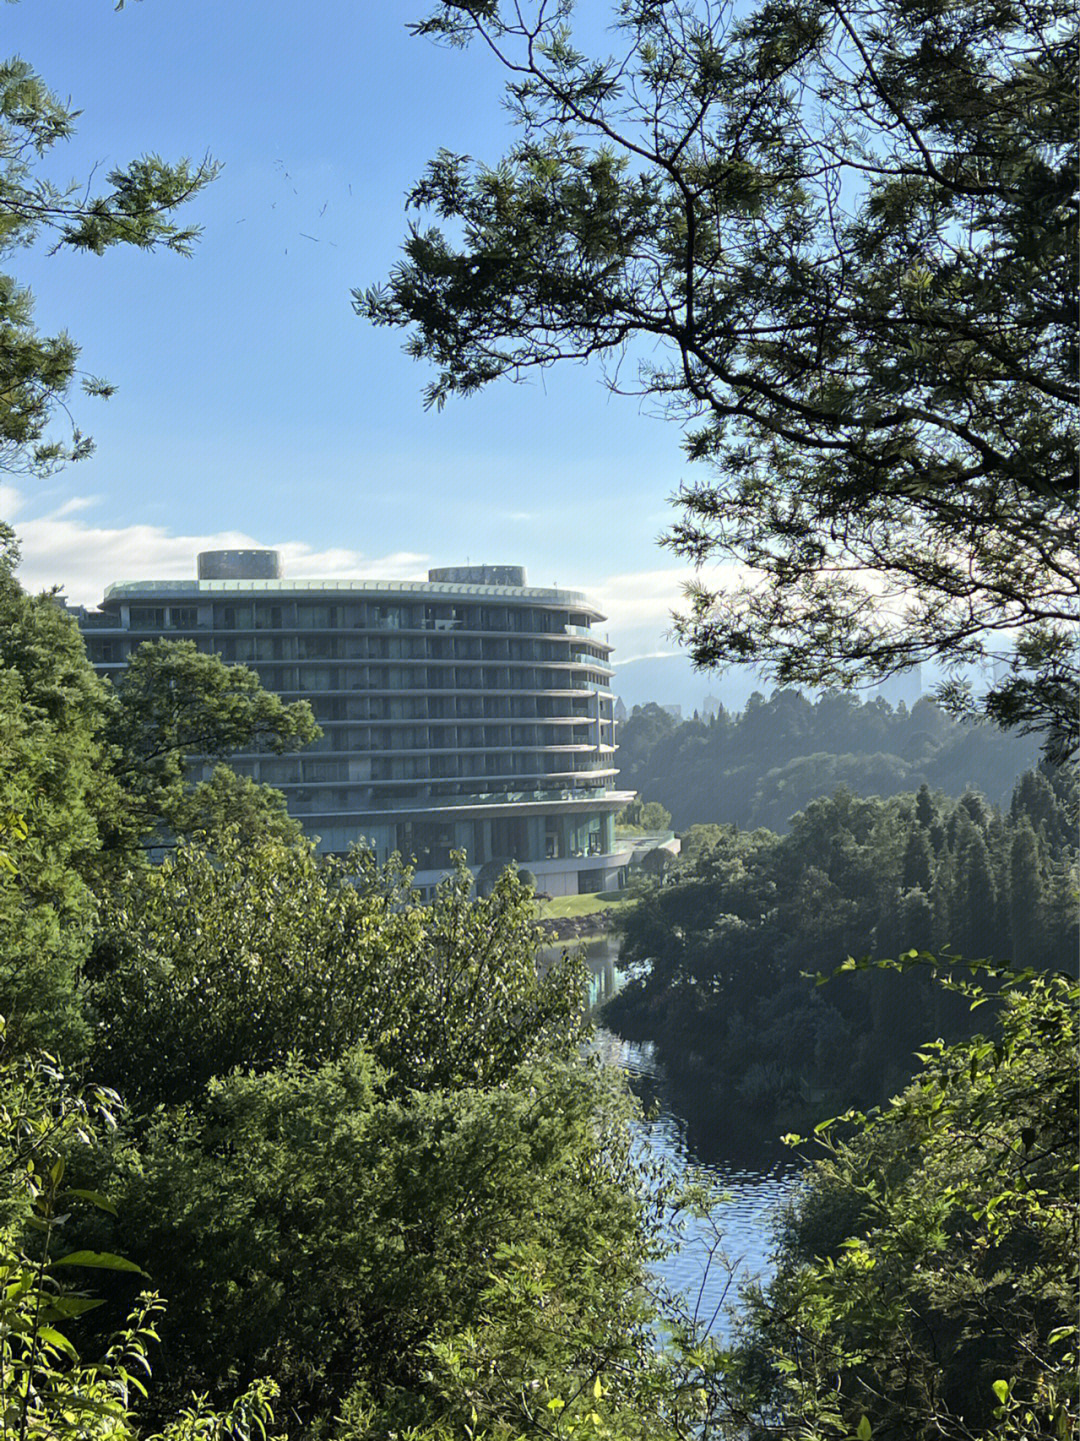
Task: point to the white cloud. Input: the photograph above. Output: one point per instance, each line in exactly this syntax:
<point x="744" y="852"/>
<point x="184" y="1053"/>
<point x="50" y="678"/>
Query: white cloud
<point x="75" y="504"/>
<point x="640" y="604"/>
<point x="300" y="562"/>
<point x="11" y="501"/>
<point x="60" y="547"/>
<point x="82" y="559"/>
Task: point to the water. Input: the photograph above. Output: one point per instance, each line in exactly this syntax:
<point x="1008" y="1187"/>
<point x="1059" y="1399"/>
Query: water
<point x="720" y="1253"/>
<point x="714" y="1257"/>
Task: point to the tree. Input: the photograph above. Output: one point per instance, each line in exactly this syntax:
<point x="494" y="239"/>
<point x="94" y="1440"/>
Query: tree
<point x="86" y="772"/>
<point x="353" y="1116"/>
<point x="1027" y="897"/>
<point x="172" y="703"/>
<point x="230" y="804"/>
<point x="977" y="898"/>
<point x="55" y="793"/>
<point x="310" y="1227"/>
<point x="717" y="958"/>
<point x="656" y="862"/>
<point x="926" y="1275"/>
<point x="250" y="953"/>
<point x="642" y="815"/>
<point x="36" y="372"/>
<point x="924" y="807"/>
<point x="47" y="1388"/>
<point x="918" y="861"/>
<point x="698" y="839"/>
<point x="839" y="237"/>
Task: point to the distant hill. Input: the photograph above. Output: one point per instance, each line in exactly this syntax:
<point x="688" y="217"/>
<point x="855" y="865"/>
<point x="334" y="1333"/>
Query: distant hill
<point x="759" y="765"/>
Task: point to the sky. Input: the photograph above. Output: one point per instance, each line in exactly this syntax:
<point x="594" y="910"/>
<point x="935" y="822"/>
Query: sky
<point x="252" y="406"/>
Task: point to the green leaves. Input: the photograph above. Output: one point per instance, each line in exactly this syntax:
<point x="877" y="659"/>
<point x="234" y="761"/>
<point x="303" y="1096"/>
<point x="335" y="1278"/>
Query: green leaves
<point x="258" y="950"/>
<point x="929" y="1254"/>
<point x="47" y="1386"/>
<point x="94" y="1197"/>
<point x="98" y="1261"/>
<point x="842" y="238"/>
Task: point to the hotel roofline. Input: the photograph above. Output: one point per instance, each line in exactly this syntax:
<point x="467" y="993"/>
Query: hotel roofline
<point x="421" y="588"/>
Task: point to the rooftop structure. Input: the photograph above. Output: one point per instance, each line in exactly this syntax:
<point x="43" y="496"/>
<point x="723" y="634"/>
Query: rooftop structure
<point x="468" y="712"/>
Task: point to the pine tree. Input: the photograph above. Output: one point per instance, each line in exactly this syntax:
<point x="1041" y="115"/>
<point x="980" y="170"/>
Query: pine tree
<point x="1027" y="897"/>
<point x="976" y="898"/>
<point x="943" y="900"/>
<point x="918" y="867"/>
<point x="916" y="920"/>
<point x="1036" y="798"/>
<point x="977" y="809"/>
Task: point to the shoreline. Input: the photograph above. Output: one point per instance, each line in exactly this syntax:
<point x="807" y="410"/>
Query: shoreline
<point x="576" y="928"/>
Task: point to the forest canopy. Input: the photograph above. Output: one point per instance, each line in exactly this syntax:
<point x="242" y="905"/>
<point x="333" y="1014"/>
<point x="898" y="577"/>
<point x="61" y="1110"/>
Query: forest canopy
<point x="759" y="766"/>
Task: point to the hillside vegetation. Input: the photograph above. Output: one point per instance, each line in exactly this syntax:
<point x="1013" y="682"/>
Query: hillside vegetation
<point x="761" y="765"/>
<point x="719" y="955"/>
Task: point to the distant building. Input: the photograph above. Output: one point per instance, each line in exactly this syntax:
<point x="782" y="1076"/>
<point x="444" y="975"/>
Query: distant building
<point x="711" y="705"/>
<point x="674" y="711"/>
<point x="620" y="710"/>
<point x="468" y="712"/>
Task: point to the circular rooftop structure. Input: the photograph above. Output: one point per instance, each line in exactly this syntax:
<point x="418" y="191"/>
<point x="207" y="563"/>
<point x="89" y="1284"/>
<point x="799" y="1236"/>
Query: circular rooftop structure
<point x="239" y="565"/>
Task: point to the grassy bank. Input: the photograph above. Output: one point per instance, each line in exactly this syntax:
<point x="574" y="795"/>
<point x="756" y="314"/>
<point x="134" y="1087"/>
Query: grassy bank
<point x="571" y="907"/>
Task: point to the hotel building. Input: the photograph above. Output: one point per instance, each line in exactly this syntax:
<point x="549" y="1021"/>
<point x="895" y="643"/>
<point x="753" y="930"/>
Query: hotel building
<point x="468" y="712"/>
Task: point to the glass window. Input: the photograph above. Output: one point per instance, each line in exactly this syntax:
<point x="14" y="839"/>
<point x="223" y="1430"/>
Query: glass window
<point x="147" y="617"/>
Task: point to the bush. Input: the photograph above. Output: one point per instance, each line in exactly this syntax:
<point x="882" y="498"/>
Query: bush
<point x="927" y="1273"/>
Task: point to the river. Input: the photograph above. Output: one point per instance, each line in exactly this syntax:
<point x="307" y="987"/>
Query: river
<point x="713" y="1257"/>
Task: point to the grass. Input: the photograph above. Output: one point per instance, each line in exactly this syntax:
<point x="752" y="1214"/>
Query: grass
<point x="563" y="907"/>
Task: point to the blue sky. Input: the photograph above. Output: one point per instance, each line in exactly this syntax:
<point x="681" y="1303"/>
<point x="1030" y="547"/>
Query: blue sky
<point x="252" y="404"/>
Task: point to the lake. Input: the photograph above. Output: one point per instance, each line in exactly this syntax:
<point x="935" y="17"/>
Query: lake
<point x="686" y="1134"/>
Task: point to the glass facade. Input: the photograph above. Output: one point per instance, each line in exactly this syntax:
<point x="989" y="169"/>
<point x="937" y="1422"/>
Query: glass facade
<point x="457" y="714"/>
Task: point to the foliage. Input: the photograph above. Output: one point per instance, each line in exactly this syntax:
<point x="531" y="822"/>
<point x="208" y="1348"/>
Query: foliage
<point x="228" y="803"/>
<point x="53" y="795"/>
<point x="759" y="766"/>
<point x="46" y="1388"/>
<point x="253" y="953"/>
<point x="86" y="772"/>
<point x="719" y="954"/>
<point x="315" y="1228"/>
<point x="657" y="861"/>
<point x="840" y="240"/>
<point x="36" y="371"/>
<point x="927" y="1273"/>
<point x="642" y="815"/>
<point x="173" y="702"/>
<point x="347" y="1107"/>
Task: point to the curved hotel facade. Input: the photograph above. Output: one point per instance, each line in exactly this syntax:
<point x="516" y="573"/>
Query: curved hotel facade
<point x="471" y="712"/>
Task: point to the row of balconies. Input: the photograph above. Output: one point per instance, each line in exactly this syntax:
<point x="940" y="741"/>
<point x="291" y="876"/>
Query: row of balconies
<point x="416" y="764"/>
<point x="306" y="650"/>
<point x="445" y="797"/>
<point x="291" y="617"/>
<point x="329" y="646"/>
<point x="481" y="790"/>
<point x="310" y="685"/>
<point x="476" y="765"/>
<point x="377" y="740"/>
